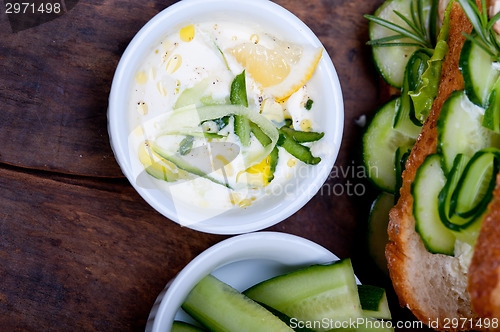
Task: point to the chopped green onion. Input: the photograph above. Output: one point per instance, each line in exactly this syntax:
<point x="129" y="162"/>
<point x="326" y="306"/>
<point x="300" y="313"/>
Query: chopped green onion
<point x="309" y="104"/>
<point x="299" y="151"/>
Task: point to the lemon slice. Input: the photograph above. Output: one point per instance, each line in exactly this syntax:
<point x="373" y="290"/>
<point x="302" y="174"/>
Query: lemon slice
<point x="280" y="70"/>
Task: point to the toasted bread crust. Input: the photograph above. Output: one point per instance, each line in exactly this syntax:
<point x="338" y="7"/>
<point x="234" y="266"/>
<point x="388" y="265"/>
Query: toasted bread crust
<point x="406" y="254"/>
<point x="484" y="271"/>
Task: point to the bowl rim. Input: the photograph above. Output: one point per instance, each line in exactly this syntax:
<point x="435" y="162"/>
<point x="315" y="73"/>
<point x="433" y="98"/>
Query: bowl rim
<point x="280" y="247"/>
<point x="119" y="141"/>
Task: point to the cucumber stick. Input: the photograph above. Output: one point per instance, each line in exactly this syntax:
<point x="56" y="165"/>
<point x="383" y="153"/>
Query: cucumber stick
<point x="312" y="294"/>
<point x="460" y="129"/>
<point x="380" y="143"/>
<point x="428" y="183"/>
<point x="391" y="61"/>
<point x="220" y="307"/>
<point x="374" y="302"/>
<point x="179" y="326"/>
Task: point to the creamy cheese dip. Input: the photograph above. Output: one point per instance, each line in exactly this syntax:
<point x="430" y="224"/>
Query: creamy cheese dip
<point x="194" y="67"/>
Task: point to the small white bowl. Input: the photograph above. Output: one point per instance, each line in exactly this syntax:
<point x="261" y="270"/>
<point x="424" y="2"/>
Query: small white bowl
<point x="264" y="212"/>
<point x="240" y="261"/>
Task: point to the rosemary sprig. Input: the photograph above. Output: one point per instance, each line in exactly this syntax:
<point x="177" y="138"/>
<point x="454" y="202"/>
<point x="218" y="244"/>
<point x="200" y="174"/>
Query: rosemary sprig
<point x="416" y="30"/>
<point x="483" y="27"/>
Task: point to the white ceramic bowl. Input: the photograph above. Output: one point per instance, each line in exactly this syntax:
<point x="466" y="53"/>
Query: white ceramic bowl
<point x="264" y="212"/>
<point x="240" y="261"/>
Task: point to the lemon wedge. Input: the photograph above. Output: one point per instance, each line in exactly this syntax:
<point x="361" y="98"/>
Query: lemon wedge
<point x="281" y="70"/>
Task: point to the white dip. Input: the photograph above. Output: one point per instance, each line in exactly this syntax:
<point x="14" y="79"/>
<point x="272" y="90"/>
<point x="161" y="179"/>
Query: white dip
<point x="206" y="57"/>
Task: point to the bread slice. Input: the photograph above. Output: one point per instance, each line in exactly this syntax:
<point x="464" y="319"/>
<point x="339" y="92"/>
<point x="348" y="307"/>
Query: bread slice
<point x="484" y="271"/>
<point x="432" y="286"/>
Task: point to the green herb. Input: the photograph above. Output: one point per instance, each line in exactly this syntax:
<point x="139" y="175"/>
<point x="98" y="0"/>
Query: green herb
<point x="309" y="104"/>
<point x="260" y="135"/>
<point x="239" y="91"/>
<point x="186" y="145"/>
<point x="417" y="30"/>
<point x="299" y="151"/>
<point x="238" y="96"/>
<point x="483" y="27"/>
<point x="302" y="136"/>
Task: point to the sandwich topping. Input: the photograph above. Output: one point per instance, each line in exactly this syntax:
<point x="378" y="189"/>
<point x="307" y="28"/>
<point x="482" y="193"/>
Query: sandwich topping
<point x="453" y="187"/>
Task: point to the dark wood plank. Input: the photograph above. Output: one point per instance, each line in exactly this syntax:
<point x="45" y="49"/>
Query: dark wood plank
<point x="81" y="255"/>
<point x="78" y="254"/>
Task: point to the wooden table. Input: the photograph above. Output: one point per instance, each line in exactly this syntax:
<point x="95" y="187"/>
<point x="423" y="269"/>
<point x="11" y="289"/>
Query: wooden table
<point x="79" y="248"/>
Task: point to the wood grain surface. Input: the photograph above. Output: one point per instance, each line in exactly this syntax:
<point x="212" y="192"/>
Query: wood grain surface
<point x="79" y="249"/>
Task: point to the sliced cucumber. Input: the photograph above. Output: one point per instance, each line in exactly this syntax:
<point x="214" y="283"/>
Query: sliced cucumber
<point x="222" y="308"/>
<point x="460" y="129"/>
<point x="451" y="221"/>
<point x="374" y="302"/>
<point x="380" y="143"/>
<point x="179" y="326"/>
<point x="405" y="120"/>
<point x="479" y="72"/>
<point x="391" y="61"/>
<point x="377" y="229"/>
<point x="429" y="181"/>
<point x="474" y="190"/>
<point x="470" y="234"/>
<point x="491" y="118"/>
<point x="313" y="294"/>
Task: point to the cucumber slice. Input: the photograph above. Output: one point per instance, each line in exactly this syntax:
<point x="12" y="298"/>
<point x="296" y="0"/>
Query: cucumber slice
<point x="405" y="120"/>
<point x="474" y="190"/>
<point x="479" y="72"/>
<point x="460" y="129"/>
<point x="491" y="118"/>
<point x="179" y="326"/>
<point x="374" y="302"/>
<point x="220" y="307"/>
<point x="429" y="181"/>
<point x="470" y="234"/>
<point x="313" y="294"/>
<point x="391" y="61"/>
<point x="377" y="229"/>
<point x="452" y="221"/>
<point x="380" y="143"/>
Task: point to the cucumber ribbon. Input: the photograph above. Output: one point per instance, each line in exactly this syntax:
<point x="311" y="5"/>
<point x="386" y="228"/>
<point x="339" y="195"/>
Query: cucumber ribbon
<point x="188" y="119"/>
<point x="468" y="188"/>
